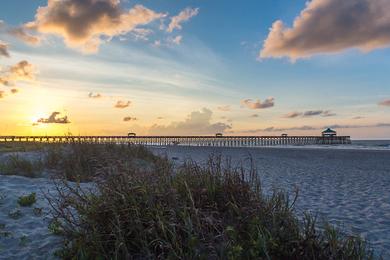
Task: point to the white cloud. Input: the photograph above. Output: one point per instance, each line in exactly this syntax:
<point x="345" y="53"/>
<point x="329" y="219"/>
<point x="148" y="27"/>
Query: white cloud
<point x="197" y="123"/>
<point x="331" y="26"/>
<point x="183" y="16"/>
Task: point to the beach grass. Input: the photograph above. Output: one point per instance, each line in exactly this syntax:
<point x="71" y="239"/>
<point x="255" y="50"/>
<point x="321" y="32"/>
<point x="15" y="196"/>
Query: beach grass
<point x="15" y="164"/>
<point x="143" y="208"/>
<point x="9" y="147"/>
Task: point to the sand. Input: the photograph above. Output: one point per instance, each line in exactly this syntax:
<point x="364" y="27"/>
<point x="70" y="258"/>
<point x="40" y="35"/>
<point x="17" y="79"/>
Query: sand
<point x="28" y="235"/>
<point x="348" y="187"/>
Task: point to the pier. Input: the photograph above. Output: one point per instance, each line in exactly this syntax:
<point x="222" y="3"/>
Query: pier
<point x="218" y="140"/>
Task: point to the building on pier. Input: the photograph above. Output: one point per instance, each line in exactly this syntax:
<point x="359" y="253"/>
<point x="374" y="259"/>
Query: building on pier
<point x="329" y="133"/>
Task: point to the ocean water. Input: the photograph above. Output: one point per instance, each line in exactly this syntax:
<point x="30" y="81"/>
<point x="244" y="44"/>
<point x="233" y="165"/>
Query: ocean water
<point x="371" y="144"/>
<point x="346" y="185"/>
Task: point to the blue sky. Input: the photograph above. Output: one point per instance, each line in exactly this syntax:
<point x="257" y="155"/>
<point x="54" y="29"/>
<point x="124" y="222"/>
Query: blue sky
<point x="215" y="63"/>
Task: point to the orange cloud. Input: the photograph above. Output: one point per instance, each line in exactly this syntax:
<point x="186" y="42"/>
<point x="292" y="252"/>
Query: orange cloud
<point x="85" y="24"/>
<point x="330" y="26"/>
<point x="21" y="34"/>
<point x="129" y="118"/>
<point x="122" y="104"/>
<point x="22" y="71"/>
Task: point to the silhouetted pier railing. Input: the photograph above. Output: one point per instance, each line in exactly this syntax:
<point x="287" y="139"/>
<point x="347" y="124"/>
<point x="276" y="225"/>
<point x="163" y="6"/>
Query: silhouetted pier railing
<point x="223" y="141"/>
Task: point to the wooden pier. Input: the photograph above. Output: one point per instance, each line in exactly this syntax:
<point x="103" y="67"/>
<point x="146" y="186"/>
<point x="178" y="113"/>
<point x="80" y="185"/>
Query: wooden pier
<point x="222" y="141"/>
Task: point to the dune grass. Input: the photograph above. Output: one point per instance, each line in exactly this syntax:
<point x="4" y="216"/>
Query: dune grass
<point x="15" y="164"/>
<point x="194" y="212"/>
<point x="85" y="162"/>
<point x="8" y="147"/>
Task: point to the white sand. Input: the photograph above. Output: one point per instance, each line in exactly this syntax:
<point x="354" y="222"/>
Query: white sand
<point x="29" y="237"/>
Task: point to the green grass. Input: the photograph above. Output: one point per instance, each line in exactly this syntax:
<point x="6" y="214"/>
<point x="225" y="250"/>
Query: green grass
<point x="210" y="212"/>
<point x="28" y="200"/>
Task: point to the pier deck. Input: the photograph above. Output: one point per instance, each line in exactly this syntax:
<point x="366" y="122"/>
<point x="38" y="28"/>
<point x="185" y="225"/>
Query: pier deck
<point x="224" y="141"/>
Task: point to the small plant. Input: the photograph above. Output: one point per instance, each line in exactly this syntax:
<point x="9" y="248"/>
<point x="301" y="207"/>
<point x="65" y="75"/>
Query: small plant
<point x="55" y="227"/>
<point x="27" y="201"/>
<point x="15" y="214"/>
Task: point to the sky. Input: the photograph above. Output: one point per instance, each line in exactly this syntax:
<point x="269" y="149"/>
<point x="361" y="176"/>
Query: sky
<point x="109" y="67"/>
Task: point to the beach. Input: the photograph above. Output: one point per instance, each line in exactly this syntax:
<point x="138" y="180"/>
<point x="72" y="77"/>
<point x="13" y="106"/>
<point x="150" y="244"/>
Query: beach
<point x="347" y="187"/>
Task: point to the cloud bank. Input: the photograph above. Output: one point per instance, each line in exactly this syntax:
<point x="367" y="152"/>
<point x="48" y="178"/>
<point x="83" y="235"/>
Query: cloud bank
<point x="308" y="128"/>
<point x="331" y="26"/>
<point x="197" y="123"/>
<point x="54" y="119"/>
<point x="269" y="102"/>
<point x="183" y="16"/>
<point x="84" y="24"/>
<point x="310" y="113"/>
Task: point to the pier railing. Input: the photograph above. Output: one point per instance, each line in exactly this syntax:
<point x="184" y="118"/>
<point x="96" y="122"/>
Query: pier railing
<point x="223" y="141"/>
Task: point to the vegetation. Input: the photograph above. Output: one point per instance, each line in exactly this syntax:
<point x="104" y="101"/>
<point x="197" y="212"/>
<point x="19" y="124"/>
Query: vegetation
<point x="28" y="200"/>
<point x="85" y="162"/>
<point x="17" y="165"/>
<point x="194" y="212"/>
<point x="8" y="147"/>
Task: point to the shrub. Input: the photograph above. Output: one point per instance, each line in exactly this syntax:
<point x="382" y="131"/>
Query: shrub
<point x="16" y="165"/>
<point x="27" y="201"/>
<point x="84" y="162"/>
<point x="211" y="212"/>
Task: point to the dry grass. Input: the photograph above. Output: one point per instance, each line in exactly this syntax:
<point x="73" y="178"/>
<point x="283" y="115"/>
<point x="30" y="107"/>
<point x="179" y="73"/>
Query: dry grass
<point x="8" y="147"/>
<point x="153" y="212"/>
<point x="15" y="164"/>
